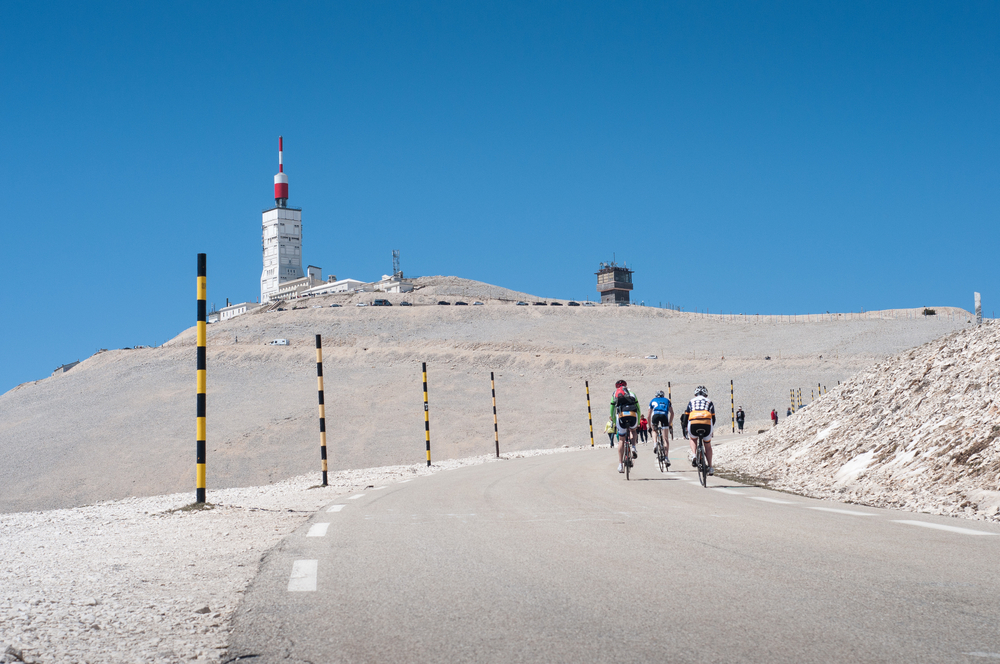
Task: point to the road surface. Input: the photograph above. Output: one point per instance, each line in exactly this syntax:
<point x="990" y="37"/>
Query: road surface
<point x="558" y="558"/>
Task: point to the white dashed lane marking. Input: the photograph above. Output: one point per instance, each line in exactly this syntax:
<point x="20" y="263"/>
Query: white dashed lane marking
<point x="772" y="500"/>
<point x="378" y="488"/>
<point x="356" y="496"/>
<point x="303" y="578"/>
<point x="335" y="508"/>
<point x="951" y="529"/>
<point x="731" y="492"/>
<point x="318" y="530"/>
<point x="835" y="511"/>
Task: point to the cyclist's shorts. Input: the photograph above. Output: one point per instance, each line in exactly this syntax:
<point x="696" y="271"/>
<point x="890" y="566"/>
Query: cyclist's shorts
<point x="659" y="421"/>
<point x="626" y="422"/>
<point x="696" y="429"/>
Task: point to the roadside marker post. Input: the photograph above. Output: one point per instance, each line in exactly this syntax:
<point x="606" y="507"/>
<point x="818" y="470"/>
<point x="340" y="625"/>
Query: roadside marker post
<point x="590" y="418"/>
<point x="427" y="420"/>
<point x="496" y="432"/>
<point x="322" y="406"/>
<point x="732" y="404"/>
<point x="201" y="381"/>
<point x="791" y="398"/>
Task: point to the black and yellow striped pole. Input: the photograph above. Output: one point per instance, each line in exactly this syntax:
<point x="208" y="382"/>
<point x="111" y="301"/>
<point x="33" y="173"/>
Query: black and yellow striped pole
<point x="496" y="431"/>
<point x="791" y="398"/>
<point x="800" y="397"/>
<point x="590" y="418"/>
<point x="669" y="393"/>
<point x="201" y="381"/>
<point x="322" y="405"/>
<point x="819" y="389"/>
<point x="732" y="403"/>
<point x="427" y="417"/>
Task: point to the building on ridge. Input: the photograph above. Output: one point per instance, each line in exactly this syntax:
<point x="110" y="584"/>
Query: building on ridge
<point x="614" y="283"/>
<point x="281" y="238"/>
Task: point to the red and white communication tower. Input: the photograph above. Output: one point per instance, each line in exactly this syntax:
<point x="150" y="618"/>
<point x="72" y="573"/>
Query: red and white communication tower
<point x="281" y="180"/>
<point x="281" y="238"/>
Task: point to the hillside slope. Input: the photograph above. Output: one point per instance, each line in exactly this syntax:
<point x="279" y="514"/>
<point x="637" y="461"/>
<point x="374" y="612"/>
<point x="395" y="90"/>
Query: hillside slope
<point x="918" y="431"/>
<point x="122" y="422"/>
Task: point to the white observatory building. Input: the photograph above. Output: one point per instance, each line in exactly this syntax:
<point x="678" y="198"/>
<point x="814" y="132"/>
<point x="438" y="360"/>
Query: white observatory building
<point x="281" y="239"/>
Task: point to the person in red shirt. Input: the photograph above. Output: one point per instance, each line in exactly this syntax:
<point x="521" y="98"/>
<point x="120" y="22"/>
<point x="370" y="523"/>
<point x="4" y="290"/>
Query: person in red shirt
<point x="774" y="417"/>
<point x="643" y="429"/>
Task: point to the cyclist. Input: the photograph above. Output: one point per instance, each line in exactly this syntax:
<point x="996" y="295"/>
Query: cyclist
<point x="625" y="413"/>
<point x="661" y="416"/>
<point x="701" y="410"/>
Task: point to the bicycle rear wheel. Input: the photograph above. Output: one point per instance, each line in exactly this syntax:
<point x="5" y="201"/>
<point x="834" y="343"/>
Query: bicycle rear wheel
<point x="660" y="456"/>
<point x="702" y="464"/>
<point x="628" y="463"/>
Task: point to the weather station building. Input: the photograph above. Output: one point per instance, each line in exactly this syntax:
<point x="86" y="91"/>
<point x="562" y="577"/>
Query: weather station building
<point x="614" y="283"/>
<point x="281" y="239"/>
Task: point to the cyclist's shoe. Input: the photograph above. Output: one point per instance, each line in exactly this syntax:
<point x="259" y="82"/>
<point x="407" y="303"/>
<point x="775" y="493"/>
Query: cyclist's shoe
<point x="621" y="468"/>
<point x="635" y="455"/>
<point x="711" y="471"/>
<point x="694" y="462"/>
<point x="667" y="461"/>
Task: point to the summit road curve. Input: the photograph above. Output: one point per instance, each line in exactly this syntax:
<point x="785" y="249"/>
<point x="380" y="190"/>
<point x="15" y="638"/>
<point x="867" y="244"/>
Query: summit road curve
<point x="558" y="558"/>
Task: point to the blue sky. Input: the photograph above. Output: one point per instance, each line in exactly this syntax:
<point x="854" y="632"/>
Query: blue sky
<point x="761" y="157"/>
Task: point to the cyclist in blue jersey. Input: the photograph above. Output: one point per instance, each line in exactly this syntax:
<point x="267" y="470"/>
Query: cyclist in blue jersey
<point x="661" y="419"/>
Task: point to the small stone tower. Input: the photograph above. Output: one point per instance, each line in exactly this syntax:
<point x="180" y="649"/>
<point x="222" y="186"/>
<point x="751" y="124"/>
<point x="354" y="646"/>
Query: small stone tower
<point x="613" y="283"/>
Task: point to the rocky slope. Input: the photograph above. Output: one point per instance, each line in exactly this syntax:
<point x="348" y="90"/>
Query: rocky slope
<point x="918" y="431"/>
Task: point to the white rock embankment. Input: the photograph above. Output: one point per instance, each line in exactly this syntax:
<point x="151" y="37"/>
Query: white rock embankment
<point x="919" y="431"/>
<point x="142" y="580"/>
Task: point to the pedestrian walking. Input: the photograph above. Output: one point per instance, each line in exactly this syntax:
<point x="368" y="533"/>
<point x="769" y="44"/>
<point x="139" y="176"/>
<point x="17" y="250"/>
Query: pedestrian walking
<point x="774" y="417"/>
<point x="609" y="429"/>
<point x="740" y="417"/>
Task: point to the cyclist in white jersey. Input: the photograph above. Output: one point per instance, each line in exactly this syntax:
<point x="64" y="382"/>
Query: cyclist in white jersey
<point x="698" y="410"/>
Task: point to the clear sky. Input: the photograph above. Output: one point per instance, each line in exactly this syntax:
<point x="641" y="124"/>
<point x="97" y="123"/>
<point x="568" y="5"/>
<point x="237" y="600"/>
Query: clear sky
<point x="758" y="157"/>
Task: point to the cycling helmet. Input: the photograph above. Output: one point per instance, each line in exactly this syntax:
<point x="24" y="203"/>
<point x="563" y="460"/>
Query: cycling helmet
<point x="659" y="395"/>
<point x="701" y="391"/>
<point x="621" y="383"/>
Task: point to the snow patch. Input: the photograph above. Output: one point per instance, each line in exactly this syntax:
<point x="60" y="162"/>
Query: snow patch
<point x="853" y="468"/>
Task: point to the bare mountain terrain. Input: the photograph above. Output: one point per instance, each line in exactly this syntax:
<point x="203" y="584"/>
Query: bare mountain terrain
<point x="122" y="422"/>
<point x="918" y="431"/>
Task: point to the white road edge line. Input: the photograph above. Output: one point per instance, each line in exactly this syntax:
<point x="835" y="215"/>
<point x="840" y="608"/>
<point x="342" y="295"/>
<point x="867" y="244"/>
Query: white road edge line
<point x="938" y="526"/>
<point x="835" y="511"/>
<point x="771" y="500"/>
<point x="378" y="488"/>
<point x="731" y="492"/>
<point x="303" y="578"/>
<point x="318" y="530"/>
<point x="335" y="508"/>
<point x="356" y="496"/>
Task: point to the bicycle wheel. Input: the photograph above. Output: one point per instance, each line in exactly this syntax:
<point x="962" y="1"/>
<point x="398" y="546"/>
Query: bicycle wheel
<point x="660" y="456"/>
<point x="702" y="465"/>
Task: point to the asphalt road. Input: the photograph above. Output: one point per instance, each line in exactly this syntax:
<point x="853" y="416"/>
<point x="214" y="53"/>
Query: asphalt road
<point x="559" y="559"/>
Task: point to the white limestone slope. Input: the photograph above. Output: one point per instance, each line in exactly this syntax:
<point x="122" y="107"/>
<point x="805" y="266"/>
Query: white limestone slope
<point x="918" y="431"/>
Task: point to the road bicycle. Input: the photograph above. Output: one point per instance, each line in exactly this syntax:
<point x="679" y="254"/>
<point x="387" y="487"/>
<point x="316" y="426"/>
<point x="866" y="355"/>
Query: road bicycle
<point x="626" y="454"/>
<point x="661" y="452"/>
<point x="701" y="461"/>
